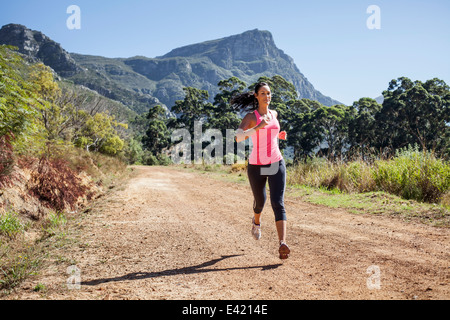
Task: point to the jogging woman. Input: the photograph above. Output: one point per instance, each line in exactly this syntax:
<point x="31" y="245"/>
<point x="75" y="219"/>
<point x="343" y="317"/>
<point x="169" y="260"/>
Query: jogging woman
<point x="266" y="162"/>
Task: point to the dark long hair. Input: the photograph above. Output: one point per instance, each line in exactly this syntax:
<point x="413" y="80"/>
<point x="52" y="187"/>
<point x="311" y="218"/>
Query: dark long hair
<point x="247" y="101"/>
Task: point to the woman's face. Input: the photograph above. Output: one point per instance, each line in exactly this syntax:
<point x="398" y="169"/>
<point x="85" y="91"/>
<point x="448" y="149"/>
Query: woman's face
<point x="264" y="96"/>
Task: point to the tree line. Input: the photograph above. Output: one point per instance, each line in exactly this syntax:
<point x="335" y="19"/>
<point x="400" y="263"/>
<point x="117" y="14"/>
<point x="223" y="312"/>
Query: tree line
<point x="37" y="111"/>
<point x="413" y="113"/>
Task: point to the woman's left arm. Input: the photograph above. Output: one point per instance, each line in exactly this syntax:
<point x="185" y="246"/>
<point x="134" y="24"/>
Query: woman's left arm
<point x="283" y="134"/>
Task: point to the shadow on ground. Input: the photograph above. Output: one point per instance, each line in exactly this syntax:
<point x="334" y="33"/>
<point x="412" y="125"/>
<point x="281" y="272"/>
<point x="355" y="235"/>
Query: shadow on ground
<point x="173" y="272"/>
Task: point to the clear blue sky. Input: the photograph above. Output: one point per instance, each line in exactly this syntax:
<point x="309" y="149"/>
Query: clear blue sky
<point x="328" y="40"/>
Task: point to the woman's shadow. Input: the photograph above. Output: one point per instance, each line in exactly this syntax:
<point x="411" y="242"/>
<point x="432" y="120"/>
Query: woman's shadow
<point x="172" y="272"/>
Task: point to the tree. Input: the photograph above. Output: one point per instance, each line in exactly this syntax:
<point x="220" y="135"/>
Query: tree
<point x="221" y="114"/>
<point x="362" y="127"/>
<point x="17" y="99"/>
<point x="157" y="135"/>
<point x="439" y="133"/>
<point x="112" y="145"/>
<point x="98" y="134"/>
<point x="315" y="128"/>
<point x="133" y="151"/>
<point x="333" y="122"/>
<point x="194" y="107"/>
<point x="52" y="116"/>
<point x="415" y="113"/>
<point x="304" y="134"/>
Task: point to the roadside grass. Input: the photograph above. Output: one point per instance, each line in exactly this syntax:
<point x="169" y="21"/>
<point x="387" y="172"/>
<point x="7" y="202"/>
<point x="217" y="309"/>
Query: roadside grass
<point x="374" y="203"/>
<point x="42" y="244"/>
<point x="26" y="245"/>
<point x="11" y="225"/>
<point x="356" y="202"/>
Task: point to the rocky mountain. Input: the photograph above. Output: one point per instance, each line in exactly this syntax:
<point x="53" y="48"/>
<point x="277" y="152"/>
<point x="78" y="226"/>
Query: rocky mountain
<point x="37" y="45"/>
<point x="141" y="82"/>
<point x="247" y="56"/>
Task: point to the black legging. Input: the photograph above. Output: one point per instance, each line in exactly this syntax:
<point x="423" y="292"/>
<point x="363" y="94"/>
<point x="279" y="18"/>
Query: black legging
<point x="276" y="175"/>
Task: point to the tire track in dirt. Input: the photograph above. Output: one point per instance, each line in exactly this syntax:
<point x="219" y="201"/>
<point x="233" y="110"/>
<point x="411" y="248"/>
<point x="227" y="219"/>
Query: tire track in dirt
<point x="171" y="234"/>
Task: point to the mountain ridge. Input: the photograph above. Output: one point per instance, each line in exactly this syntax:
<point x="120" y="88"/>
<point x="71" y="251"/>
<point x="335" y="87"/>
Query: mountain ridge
<point x="141" y="82"/>
<point x="35" y="44"/>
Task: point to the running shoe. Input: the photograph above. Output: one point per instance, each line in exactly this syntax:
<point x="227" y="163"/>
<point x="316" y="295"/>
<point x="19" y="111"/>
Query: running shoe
<point x="284" y="251"/>
<point x="256" y="230"/>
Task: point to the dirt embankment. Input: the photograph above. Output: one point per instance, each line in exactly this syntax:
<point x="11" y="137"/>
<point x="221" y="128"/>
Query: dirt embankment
<point x="171" y="234"/>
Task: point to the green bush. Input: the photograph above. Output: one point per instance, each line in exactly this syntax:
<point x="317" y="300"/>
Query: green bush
<point x="311" y="173"/>
<point x="10" y="224"/>
<point x="357" y="176"/>
<point x="150" y="159"/>
<point x="414" y="174"/>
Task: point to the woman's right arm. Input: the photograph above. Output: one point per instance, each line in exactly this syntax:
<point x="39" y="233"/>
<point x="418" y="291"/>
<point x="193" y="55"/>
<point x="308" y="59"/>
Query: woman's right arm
<point x="248" y="127"/>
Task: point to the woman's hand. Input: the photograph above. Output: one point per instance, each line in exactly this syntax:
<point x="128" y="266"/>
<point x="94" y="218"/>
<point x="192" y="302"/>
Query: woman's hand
<point x="282" y="135"/>
<point x="264" y="122"/>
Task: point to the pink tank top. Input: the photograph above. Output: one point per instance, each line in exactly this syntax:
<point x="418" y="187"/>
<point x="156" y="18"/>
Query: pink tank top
<point x="265" y="142"/>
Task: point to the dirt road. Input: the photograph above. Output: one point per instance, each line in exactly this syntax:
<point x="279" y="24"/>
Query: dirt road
<point x="172" y="234"/>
